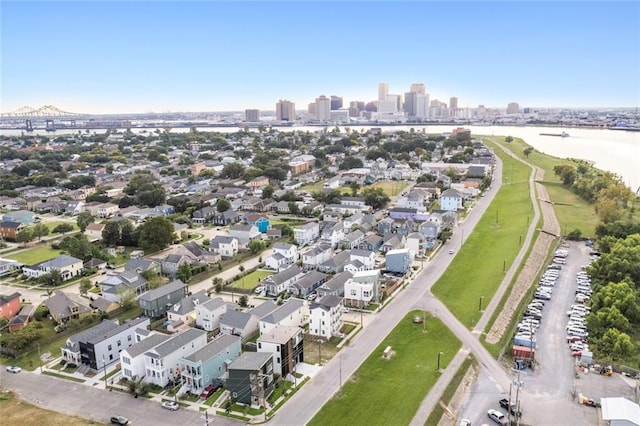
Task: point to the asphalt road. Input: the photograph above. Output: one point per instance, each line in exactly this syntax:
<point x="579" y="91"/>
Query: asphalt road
<point x="99" y="405"/>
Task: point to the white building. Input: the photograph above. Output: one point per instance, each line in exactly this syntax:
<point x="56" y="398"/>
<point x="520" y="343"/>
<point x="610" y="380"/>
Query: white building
<point x="285" y="343"/>
<point x="292" y="313"/>
<point x="323" y="108"/>
<point x="132" y="358"/>
<point x="358" y="294"/>
<point x="306" y="234"/>
<point x="451" y="200"/>
<point x="325" y="317"/>
<point x="208" y="314"/>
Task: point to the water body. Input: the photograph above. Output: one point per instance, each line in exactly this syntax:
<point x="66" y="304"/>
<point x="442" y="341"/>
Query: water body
<point x="616" y="151"/>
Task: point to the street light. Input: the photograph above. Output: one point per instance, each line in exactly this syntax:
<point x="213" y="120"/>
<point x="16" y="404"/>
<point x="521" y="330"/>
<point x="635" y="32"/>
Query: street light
<point x="439" y="355"/>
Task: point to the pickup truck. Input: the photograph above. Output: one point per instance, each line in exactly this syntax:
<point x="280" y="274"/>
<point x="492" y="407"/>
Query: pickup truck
<point x="513" y="409"/>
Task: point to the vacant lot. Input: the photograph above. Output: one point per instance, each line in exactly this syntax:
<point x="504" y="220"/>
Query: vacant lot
<point x="389" y="391"/>
<point x="393" y="188"/>
<point x="16" y="412"/>
<point x="35" y="255"/>
<point x="251" y="280"/>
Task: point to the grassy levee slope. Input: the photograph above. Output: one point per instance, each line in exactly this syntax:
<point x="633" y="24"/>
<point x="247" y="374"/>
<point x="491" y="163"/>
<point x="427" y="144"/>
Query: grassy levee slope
<point x="480" y="265"/>
<point x="572" y="211"/>
<point x="390" y="391"/>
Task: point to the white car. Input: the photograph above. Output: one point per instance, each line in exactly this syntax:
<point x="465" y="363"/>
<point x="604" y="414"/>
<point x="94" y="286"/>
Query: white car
<point x="496" y="416"/>
<point x="258" y="290"/>
<point x="14" y="369"/>
<point x="170" y="405"/>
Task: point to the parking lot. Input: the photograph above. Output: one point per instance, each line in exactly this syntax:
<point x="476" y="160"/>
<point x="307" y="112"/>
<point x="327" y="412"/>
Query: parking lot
<point x="552" y="385"/>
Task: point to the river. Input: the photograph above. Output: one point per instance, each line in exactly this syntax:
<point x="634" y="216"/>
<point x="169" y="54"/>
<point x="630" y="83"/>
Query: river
<point x="616" y="151"/>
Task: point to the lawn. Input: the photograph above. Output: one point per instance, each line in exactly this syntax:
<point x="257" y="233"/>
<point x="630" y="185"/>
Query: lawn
<point x="35" y="255"/>
<point x="17" y="412"/>
<point x="496" y="240"/>
<point x="391" y="188"/>
<point x="251" y="280"/>
<point x="52" y="225"/>
<point x="389" y="391"/>
<point x="314" y="187"/>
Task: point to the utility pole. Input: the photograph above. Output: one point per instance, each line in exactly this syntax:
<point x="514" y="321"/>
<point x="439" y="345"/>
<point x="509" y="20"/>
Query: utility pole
<point x="104" y="369"/>
<point x="340" y="388"/>
<point x="39" y="358"/>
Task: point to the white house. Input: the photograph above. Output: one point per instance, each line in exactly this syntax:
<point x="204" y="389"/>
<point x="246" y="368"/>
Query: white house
<point x="285" y="343"/>
<point x="316" y="255"/>
<point x="367" y="258"/>
<point x="293" y="313"/>
<point x="161" y="362"/>
<point x="325" y="317"/>
<point x="451" y="200"/>
<point x="244" y="232"/>
<point x="332" y="233"/>
<point x="132" y="358"/>
<point x="94" y="231"/>
<point x="68" y="267"/>
<point x="276" y="284"/>
<point x="283" y="256"/>
<point x="358" y="294"/>
<point x="183" y="314"/>
<point x="208" y="313"/>
<point x="306" y="234"/>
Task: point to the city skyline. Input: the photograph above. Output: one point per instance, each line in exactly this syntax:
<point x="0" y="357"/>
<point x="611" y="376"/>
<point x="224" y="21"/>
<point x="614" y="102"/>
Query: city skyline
<point x="139" y="57"/>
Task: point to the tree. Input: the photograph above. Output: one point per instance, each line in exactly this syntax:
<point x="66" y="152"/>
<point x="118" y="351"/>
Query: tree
<point x="508" y="139"/>
<point x="375" y="197"/>
<point x="155" y="234"/>
<point x="85" y="286"/>
<point x="232" y="171"/>
<point x="111" y="234"/>
<point x="354" y="186"/>
<point x="255" y="246"/>
<point x="146" y="188"/>
<point x="222" y="205"/>
<point x="527" y="152"/>
<point x="184" y="272"/>
<point x="243" y="302"/>
<point x="217" y="285"/>
<point x="40" y="230"/>
<point x="63" y="228"/>
<point x="128" y="236"/>
<point x="83" y="220"/>
<point x="24" y="236"/>
<point x="267" y="192"/>
<point x="293" y="208"/>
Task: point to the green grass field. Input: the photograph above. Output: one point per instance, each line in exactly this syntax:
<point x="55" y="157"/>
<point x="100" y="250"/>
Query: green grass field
<point x="35" y="255"/>
<point x="389" y="391"/>
<point x="489" y="251"/>
<point x="392" y="188"/>
<point x="52" y="225"/>
<point x="314" y="187"/>
<point x="251" y="280"/>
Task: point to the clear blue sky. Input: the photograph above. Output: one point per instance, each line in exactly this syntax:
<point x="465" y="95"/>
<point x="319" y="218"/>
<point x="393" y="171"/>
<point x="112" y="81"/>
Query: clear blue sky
<point x="126" y="56"/>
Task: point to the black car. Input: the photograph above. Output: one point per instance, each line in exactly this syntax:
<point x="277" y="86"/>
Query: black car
<point x="513" y="409"/>
<point x="119" y="420"/>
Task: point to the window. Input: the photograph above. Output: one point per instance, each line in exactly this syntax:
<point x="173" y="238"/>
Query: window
<point x="278" y="359"/>
<point x="109" y="347"/>
<point x="259" y="345"/>
<point x="119" y="343"/>
<point x="126" y="360"/>
<point x="353" y="293"/>
<point x="128" y="338"/>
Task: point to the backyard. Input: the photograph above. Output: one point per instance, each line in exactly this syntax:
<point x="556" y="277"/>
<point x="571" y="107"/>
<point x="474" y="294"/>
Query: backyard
<point x="389" y="391"/>
<point x="251" y="280"/>
<point x="34" y="255"/>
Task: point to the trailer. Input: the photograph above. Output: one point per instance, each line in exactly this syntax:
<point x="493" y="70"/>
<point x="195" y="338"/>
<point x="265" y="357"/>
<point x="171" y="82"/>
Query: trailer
<point x="523" y="352"/>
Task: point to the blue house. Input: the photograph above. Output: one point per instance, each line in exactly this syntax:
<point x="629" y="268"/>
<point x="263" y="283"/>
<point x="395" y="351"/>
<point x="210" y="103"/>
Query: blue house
<point x="398" y="260"/>
<point x="260" y="221"/>
<point x="24" y="217"/>
<point x="206" y="365"/>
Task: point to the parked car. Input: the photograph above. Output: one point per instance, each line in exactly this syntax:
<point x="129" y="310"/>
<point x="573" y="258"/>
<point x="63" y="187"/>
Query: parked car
<point x="119" y="420"/>
<point x="464" y="422"/>
<point x="496" y="416"/>
<point x="258" y="290"/>
<point x="14" y="369"/>
<point x="513" y="408"/>
<point x="207" y="392"/>
<point x="170" y="405"/>
<point x="451" y="251"/>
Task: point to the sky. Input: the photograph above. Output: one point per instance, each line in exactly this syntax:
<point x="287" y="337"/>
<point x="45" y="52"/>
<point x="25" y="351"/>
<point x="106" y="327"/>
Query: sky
<point x="144" y="56"/>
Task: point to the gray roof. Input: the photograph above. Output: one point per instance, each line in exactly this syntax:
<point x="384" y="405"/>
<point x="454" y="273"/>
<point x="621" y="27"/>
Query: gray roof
<point x="146" y="344"/>
<point x="154" y="294"/>
<point x="251" y="361"/>
<point x="173" y="258"/>
<point x="59" y="262"/>
<point x="285" y="275"/>
<point x="188" y="304"/>
<point x="97" y="338"/>
<point x="337" y="282"/>
<point x="214" y="347"/>
<point x="263" y="309"/>
<point x="360" y="253"/>
<point x="338" y="260"/>
<point x="101" y="304"/>
<point x="315" y="250"/>
<point x="221" y="239"/>
<point x="97" y="330"/>
<point x="175" y="342"/>
<point x="282" y="246"/>
<point x="328" y="301"/>
<point x="280" y="334"/>
<point x="310" y="278"/>
<point x="139" y="265"/>
<point x="235" y="319"/>
<point x="213" y="304"/>
<point x="286" y="309"/>
<point x="5" y="299"/>
<point x="59" y="304"/>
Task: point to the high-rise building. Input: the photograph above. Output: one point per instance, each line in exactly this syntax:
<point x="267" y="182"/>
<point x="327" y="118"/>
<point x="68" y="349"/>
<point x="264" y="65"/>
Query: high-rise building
<point x="336" y="102"/>
<point x="417" y="88"/>
<point x="355" y="107"/>
<point x="513" y="108"/>
<point x="453" y="102"/>
<point x="285" y="110"/>
<point x="383" y="91"/>
<point x="252" y="115"/>
<point x="410" y="103"/>
<point x="323" y="108"/>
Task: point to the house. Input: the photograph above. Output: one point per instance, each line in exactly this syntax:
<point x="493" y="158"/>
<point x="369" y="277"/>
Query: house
<point x="283" y="255"/>
<point x="308" y="283"/>
<point x="370" y="277"/>
<point x="274" y="234"/>
<point x="334" y="286"/>
<point x="209" y="312"/>
<point x="259" y="221"/>
<point x="198" y="253"/>
<point x="161" y="362"/>
<point x="358" y="294"/>
<point x="244" y="233"/>
<point x="401" y="213"/>
<point x="172" y="262"/>
<point x="365" y="256"/>
<point x="236" y="323"/>
<point x="325" y="317"/>
<point x="94" y="231"/>
<point x="399" y="260"/>
<point x="183" y="314"/>
<point x="132" y="358"/>
<point x="276" y="284"/>
<point x="23" y="318"/>
<point x="451" y="200"/>
<point x="224" y="246"/>
<point x="142" y="265"/>
<point x="258" y="183"/>
<point x="385" y="226"/>
<point x="414" y="200"/>
<point x="105" y="210"/>
<point x="227" y="218"/>
<point x="63" y="307"/>
<point x="393" y="242"/>
<point x="285" y="344"/>
<point x="9" y="230"/>
<point x="354" y="220"/>
<point x="335" y="264"/>
<point x="68" y="267"/>
<point x="306" y="234"/>
<point x="293" y="312"/>
<point x="154" y="302"/>
<point x="9" y="305"/>
<point x="316" y="255"/>
<point x="24" y="217"/>
<point x="405" y="227"/>
<point x="95" y="263"/>
<point x="619" y="411"/>
<point x="122" y="285"/>
<point x="199" y="369"/>
<point x="203" y="215"/>
<point x="371" y="242"/>
<point x="352" y="240"/>
<point x="103" y="305"/>
<point x="7" y="266"/>
<point x="244" y="374"/>
<point x="332" y="233"/>
<point x="416" y="244"/>
<point x="429" y="230"/>
<point x="100" y="345"/>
